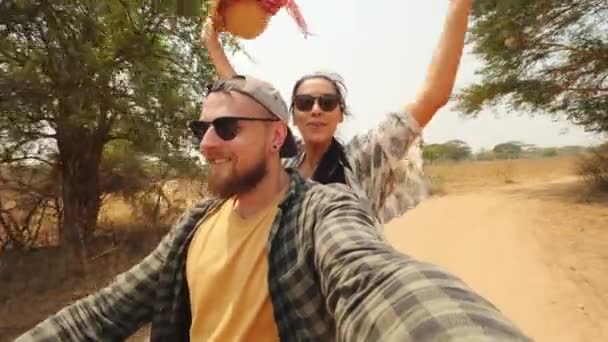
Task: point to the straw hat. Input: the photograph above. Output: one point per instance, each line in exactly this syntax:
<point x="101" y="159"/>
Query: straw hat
<point x="248" y="19"/>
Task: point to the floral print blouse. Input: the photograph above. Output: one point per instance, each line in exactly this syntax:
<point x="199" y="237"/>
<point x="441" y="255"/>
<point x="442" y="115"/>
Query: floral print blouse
<point x="387" y="166"/>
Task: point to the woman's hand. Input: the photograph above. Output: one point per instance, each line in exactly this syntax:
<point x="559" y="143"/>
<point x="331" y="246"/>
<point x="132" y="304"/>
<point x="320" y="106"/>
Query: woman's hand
<point x="209" y="36"/>
<point x="210" y="40"/>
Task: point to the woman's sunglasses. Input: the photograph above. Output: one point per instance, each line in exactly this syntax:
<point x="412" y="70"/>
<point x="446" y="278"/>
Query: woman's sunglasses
<point x="327" y="102"/>
<point x="225" y="127"/>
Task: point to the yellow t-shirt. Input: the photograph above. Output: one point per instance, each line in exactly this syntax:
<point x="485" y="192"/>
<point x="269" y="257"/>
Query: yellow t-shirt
<point x="227" y="272"/>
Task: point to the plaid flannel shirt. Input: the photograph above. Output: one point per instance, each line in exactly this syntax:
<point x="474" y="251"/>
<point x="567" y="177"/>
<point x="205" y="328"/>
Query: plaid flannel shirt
<point x="332" y="277"/>
<point x="386" y="166"/>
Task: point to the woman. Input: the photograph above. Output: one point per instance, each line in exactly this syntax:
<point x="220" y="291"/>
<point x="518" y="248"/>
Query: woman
<point x="385" y="164"/>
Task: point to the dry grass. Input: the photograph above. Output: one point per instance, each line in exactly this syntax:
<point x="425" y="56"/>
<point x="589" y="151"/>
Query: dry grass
<point x="34" y="285"/>
<point x="37" y="284"/>
<point x="182" y="194"/>
<point x="471" y="176"/>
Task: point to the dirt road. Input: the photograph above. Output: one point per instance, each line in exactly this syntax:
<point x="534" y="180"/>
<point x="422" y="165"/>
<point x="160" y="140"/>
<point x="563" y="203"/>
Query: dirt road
<point x="535" y="251"/>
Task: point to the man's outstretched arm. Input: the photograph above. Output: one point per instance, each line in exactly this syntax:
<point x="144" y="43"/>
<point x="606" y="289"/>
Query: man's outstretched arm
<point x="113" y="313"/>
<point x="376" y="293"/>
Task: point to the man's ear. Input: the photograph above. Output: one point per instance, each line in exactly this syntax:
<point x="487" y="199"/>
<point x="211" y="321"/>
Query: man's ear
<point x="279" y="133"/>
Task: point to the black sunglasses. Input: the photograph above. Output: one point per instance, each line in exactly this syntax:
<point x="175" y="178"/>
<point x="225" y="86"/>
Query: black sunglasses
<point x="327" y="102"/>
<point x="225" y="127"/>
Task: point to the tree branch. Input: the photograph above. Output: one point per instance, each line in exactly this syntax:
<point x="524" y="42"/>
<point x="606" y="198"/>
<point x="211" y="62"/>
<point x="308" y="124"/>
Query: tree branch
<point x="118" y="136"/>
<point x="129" y="17"/>
<point x="20" y="159"/>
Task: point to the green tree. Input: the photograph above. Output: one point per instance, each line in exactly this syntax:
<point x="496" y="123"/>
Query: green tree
<point x="509" y="150"/>
<point x="76" y="75"/>
<point x="485" y="155"/>
<point x="451" y="150"/>
<point x="572" y="150"/>
<point x="550" y="152"/>
<point x="543" y="56"/>
<point x="433" y="152"/>
<point x="457" y="150"/>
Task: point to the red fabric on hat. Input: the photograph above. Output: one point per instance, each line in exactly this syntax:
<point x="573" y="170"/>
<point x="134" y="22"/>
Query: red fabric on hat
<point x="272" y="6"/>
<point x="294" y="11"/>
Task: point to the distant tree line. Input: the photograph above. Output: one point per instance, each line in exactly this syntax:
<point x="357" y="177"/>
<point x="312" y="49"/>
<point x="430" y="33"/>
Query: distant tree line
<point x="458" y="150"/>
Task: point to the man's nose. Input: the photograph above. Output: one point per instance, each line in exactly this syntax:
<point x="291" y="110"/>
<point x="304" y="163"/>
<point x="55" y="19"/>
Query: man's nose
<point x="210" y="141"/>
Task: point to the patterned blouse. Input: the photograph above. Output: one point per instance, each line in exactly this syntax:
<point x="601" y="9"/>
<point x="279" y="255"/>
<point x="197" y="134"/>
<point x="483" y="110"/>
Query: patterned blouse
<point x="387" y="166"/>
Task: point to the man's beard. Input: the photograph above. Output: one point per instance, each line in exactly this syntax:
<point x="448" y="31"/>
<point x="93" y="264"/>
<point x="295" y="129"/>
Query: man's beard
<point x="237" y="182"/>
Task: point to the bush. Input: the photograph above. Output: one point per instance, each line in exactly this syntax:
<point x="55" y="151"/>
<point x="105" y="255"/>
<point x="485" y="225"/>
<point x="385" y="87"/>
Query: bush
<point x="593" y="168"/>
<point x="29" y="205"/>
<point x="438" y="185"/>
<point x="549" y="152"/>
<point x="485" y="156"/>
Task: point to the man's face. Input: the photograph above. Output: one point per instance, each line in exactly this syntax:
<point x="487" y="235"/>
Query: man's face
<point x="238" y="164"/>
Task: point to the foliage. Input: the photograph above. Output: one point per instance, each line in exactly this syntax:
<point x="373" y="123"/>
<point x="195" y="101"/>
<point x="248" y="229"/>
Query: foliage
<point x="508" y="150"/>
<point x="77" y="77"/>
<point x="29" y="203"/>
<point x="455" y="150"/>
<point x="593" y="168"/>
<point x="542" y="56"/>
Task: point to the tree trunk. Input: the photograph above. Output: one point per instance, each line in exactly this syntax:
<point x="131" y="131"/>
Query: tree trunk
<point x="80" y="155"/>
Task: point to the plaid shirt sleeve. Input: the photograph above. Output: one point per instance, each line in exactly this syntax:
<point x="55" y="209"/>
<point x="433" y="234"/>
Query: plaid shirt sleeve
<point x="113" y="313"/>
<point x="376" y="293"/>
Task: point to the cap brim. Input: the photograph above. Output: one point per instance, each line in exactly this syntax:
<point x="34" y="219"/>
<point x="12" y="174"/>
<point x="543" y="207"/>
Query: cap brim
<point x="289" y="148"/>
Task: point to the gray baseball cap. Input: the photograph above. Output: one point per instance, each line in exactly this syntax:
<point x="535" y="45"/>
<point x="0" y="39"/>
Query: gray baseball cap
<point x="268" y="96"/>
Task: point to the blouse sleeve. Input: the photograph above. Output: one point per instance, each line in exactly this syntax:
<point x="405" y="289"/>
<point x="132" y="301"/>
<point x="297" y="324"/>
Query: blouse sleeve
<point x="378" y="157"/>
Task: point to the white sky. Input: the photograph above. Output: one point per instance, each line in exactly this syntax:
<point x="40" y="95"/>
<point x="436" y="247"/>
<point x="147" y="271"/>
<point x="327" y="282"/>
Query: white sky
<point x="382" y="52"/>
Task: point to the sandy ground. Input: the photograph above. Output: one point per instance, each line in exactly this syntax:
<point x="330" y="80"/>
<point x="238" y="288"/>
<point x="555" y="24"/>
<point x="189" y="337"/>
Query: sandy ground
<point x="534" y="250"/>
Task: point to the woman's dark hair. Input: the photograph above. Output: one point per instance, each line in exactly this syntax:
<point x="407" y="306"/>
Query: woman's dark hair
<point x="336" y="80"/>
<point x="332" y="165"/>
<point x="334" y="161"/>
